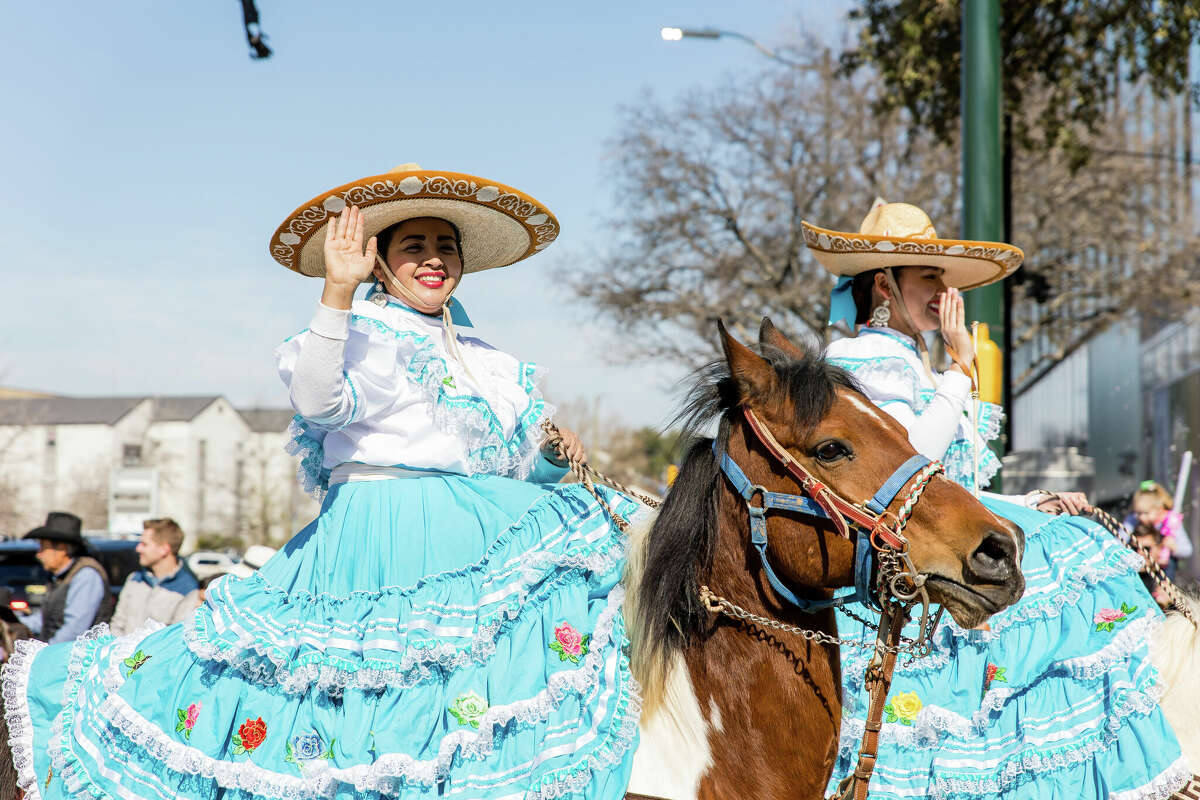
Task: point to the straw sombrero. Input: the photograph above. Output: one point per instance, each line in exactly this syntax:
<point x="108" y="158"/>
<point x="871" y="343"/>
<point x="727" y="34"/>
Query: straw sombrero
<point x="499" y="225"/>
<point x="899" y="235"/>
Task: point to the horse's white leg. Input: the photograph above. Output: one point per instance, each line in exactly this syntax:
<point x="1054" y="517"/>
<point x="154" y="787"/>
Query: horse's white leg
<point x="1175" y="651"/>
<point x="674" y="753"/>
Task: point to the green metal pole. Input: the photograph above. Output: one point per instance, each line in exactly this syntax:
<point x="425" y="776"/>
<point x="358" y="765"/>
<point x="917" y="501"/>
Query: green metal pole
<point x="983" y="154"/>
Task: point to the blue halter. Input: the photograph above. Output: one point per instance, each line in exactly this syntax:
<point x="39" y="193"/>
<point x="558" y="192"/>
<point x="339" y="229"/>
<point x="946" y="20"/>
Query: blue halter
<point x="864" y="552"/>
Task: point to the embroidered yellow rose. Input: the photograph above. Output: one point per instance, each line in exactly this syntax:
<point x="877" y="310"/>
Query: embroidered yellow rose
<point x="904" y="708"/>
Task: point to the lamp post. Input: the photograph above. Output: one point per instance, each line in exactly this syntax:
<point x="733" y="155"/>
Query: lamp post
<point x="677" y="34"/>
<point x="983" y="159"/>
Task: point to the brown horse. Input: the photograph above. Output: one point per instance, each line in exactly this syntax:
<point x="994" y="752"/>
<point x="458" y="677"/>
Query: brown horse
<point x="736" y="710"/>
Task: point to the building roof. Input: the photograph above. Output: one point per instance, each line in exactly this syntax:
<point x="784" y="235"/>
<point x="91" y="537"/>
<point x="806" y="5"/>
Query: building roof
<point x="181" y="409"/>
<point x="65" y="410"/>
<point x="267" y="420"/>
<point x="53" y="410"/>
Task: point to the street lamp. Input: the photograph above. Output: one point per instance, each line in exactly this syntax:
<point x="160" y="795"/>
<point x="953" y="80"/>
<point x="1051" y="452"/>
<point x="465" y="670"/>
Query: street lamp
<point x="677" y="34"/>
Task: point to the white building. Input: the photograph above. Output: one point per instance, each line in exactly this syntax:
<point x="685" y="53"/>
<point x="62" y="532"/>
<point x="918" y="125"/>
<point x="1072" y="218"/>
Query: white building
<point x="217" y="471"/>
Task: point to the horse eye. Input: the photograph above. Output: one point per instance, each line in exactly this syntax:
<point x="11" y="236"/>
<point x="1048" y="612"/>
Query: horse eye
<point x="831" y="451"/>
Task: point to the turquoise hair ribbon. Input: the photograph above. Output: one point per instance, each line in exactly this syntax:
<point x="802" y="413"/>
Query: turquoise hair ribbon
<point x="841" y="302"/>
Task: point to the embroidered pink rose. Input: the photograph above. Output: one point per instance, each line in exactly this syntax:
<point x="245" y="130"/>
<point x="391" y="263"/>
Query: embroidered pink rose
<point x="186" y="719"/>
<point x="1107" y="618"/>
<point x="569" y="643"/>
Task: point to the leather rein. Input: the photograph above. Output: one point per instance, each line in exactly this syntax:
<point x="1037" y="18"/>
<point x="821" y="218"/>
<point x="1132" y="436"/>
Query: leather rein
<point x="878" y="535"/>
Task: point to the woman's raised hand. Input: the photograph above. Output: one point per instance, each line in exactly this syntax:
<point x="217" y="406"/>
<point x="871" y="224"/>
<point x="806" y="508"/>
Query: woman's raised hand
<point x="953" y="318"/>
<point x="346" y="263"/>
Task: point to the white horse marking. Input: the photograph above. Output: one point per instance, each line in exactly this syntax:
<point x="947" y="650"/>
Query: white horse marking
<point x="674" y="753"/>
<point x="1175" y="651"/>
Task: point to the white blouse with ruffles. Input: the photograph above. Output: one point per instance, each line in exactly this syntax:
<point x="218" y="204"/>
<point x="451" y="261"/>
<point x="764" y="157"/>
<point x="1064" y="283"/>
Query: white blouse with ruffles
<point x="376" y="385"/>
<point x="887" y="367"/>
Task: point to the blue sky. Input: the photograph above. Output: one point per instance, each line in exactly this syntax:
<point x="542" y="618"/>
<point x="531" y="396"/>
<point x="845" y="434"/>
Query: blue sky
<point x="147" y="160"/>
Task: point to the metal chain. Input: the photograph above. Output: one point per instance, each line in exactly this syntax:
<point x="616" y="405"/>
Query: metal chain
<point x="889" y="574"/>
<point x="719" y="605"/>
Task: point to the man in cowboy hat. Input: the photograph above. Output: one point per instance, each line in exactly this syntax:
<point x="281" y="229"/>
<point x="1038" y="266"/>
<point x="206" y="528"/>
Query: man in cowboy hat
<point x="77" y="597"/>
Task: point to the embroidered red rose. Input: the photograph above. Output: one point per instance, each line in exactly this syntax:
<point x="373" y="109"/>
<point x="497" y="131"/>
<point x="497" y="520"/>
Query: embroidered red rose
<point x="994" y="672"/>
<point x="249" y="736"/>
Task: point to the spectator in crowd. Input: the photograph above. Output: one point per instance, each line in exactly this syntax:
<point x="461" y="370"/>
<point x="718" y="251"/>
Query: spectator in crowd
<point x="1153" y="505"/>
<point x="164" y="589"/>
<point x="77" y="596"/>
<point x="204" y="583"/>
<point x="1148" y="537"/>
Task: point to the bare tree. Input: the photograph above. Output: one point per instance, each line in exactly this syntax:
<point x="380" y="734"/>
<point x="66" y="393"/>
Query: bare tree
<point x="87" y="495"/>
<point x="267" y="502"/>
<point x="712" y="188"/>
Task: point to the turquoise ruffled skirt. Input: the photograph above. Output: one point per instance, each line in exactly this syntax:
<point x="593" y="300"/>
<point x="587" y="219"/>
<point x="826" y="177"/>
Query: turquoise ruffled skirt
<point x="437" y="636"/>
<point x="1057" y="700"/>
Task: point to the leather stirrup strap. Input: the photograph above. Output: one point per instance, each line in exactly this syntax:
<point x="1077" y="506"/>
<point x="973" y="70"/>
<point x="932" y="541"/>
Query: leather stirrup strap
<point x="879" y="679"/>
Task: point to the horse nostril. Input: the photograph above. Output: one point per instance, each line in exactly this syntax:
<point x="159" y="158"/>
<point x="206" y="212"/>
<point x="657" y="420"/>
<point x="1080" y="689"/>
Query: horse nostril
<point x="995" y="557"/>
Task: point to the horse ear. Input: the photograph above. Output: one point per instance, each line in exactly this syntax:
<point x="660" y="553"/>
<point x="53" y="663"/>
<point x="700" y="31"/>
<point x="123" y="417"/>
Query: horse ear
<point x="770" y="336"/>
<point x="750" y="370"/>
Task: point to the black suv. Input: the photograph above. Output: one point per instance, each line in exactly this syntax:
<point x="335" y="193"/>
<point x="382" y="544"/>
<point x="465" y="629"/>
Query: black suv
<point x="26" y="581"/>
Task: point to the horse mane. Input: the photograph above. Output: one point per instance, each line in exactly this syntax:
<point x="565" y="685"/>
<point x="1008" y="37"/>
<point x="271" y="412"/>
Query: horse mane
<point x="666" y="558"/>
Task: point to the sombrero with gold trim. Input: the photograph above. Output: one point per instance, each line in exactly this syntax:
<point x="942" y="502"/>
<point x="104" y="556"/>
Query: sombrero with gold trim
<point x="899" y="235"/>
<point x="499" y="224"/>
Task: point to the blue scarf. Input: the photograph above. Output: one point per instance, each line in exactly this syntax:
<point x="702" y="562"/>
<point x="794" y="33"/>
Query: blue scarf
<point x="841" y="302"/>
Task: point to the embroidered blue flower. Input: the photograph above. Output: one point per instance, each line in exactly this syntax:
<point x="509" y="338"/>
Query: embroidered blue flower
<point x="308" y="747"/>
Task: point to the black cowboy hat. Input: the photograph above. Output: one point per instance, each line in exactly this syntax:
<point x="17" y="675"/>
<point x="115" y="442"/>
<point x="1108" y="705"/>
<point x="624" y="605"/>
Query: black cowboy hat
<point x="60" y="526"/>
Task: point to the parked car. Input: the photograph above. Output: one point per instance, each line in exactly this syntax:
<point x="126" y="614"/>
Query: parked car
<point x="26" y="581"/>
<point x="207" y="563"/>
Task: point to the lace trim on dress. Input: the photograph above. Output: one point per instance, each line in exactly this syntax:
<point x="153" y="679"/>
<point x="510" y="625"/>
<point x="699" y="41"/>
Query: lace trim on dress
<point x="15" y="679"/>
<point x="1133" y="637"/>
<point x="885" y="374"/>
<point x="1163" y="787"/>
<point x="1116" y="561"/>
<point x="469" y="416"/>
<point x="264" y="662"/>
<point x="1037" y="763"/>
<point x="307" y="441"/>
<point x="933" y="723"/>
<point x="390" y="772"/>
<point x="991" y="420"/>
<point x="960" y="466"/>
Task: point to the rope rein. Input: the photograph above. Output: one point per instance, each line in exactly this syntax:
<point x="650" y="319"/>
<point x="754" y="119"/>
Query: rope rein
<point x="1125" y="536"/>
<point x="589" y="476"/>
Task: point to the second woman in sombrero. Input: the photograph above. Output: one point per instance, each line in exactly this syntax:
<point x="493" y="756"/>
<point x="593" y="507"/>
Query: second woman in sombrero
<point x="1057" y="697"/>
<point x="448" y="626"/>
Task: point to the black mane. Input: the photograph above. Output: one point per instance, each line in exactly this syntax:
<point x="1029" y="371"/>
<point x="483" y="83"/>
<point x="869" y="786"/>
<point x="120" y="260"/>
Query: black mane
<point x="683" y="539"/>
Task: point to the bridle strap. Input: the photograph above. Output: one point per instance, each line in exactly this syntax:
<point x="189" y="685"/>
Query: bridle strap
<point x="870" y="522"/>
<point x="898" y="480"/>
<point x="841" y="512"/>
<point x="863" y="556"/>
<point x="869" y="526"/>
